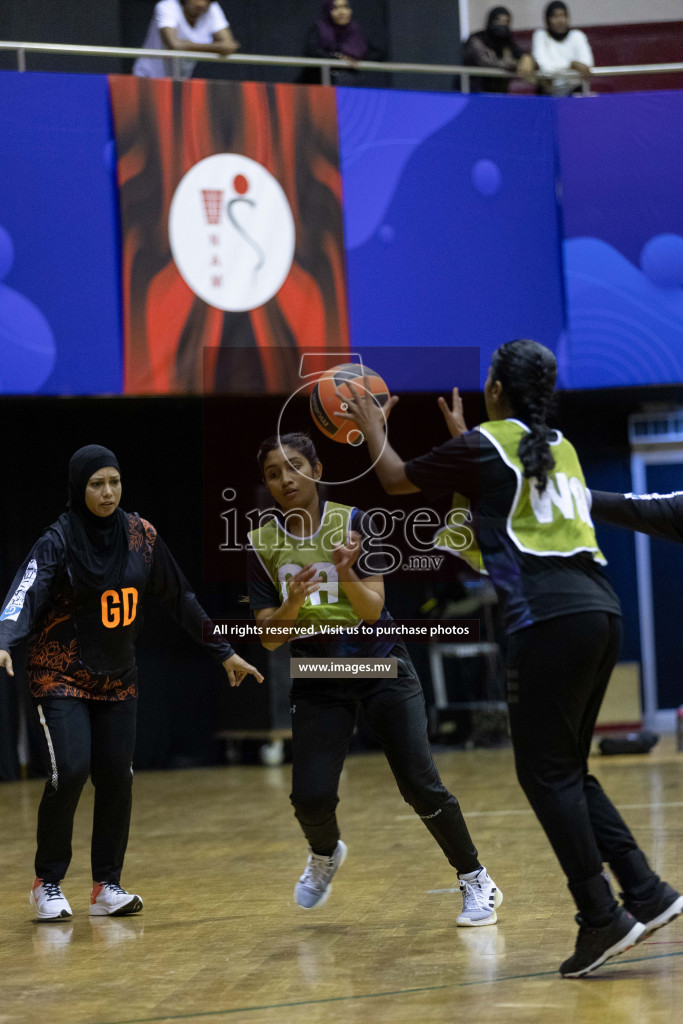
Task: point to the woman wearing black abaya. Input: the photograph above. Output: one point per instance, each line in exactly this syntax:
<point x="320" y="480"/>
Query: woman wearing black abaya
<point x="494" y="47"/>
<point x="77" y="598"/>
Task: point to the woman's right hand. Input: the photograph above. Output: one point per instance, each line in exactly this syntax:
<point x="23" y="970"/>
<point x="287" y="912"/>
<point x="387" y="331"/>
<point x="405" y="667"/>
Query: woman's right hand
<point x="6" y="662"/>
<point x="301" y="584"/>
<point x="454" y="417"/>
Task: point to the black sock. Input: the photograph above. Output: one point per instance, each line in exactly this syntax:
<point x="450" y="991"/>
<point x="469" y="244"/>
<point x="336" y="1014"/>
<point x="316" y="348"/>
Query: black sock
<point x="325" y="853"/>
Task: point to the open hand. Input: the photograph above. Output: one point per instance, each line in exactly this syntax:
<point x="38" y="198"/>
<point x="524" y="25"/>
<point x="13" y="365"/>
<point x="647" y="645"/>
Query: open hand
<point x="363" y="409"/>
<point x="303" y="583"/>
<point x="454" y="417"/>
<point x="344" y="555"/>
<point x="237" y="668"/>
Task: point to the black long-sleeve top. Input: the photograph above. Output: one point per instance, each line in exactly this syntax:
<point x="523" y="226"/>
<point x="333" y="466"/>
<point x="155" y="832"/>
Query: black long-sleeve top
<point x="659" y="515"/>
<point x="41" y="606"/>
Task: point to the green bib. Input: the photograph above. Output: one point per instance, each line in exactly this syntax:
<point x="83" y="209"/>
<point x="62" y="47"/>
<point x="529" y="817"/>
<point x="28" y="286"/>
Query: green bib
<point x="556" y="522"/>
<point x="457" y="536"/>
<point x="282" y="555"/>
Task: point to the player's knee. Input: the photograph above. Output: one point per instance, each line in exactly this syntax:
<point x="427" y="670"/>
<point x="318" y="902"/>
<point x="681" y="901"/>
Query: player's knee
<point x="70" y="778"/>
<point x="313" y="807"/>
<point x="426" y="801"/>
<point x="114" y="775"/>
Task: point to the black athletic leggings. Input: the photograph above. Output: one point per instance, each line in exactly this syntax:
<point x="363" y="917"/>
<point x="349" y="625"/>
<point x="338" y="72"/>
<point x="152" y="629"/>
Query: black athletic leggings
<point x="558" y="672"/>
<point x="86" y="738"/>
<point x="323" y="718"/>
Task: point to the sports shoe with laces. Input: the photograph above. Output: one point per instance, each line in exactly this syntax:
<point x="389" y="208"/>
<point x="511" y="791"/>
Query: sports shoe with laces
<point x="49" y="901"/>
<point x="314" y="886"/>
<point x="595" y="945"/>
<point x="480" y="899"/>
<point x="663" y="906"/>
<point x="108" y="899"/>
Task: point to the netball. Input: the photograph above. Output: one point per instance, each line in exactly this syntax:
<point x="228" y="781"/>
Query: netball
<point x="326" y="405"/>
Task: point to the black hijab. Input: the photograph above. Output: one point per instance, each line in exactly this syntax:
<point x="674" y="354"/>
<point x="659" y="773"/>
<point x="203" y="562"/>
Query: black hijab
<point x="497" y="37"/>
<point x="96" y="546"/>
<point x="550" y="9"/>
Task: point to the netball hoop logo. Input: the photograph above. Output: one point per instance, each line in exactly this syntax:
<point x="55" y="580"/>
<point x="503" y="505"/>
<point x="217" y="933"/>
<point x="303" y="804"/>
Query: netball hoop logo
<point x="231" y="232"/>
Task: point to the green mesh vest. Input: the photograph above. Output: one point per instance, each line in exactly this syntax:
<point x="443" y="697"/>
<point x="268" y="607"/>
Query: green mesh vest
<point x="283" y="555"/>
<point x="556" y="522"/>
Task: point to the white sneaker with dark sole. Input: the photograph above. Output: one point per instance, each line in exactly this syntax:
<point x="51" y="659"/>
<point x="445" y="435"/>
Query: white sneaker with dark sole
<point x="314" y="887"/>
<point x="481" y="897"/>
<point x="108" y="899"/>
<point x="49" y="901"/>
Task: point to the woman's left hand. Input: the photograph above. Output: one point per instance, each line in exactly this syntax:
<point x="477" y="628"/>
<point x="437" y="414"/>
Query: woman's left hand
<point x="237" y="668"/>
<point x="454" y="416"/>
<point x="583" y="69"/>
<point x="344" y="555"/>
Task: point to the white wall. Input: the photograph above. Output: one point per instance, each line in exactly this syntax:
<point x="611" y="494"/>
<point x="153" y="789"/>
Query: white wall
<point x="529" y="13"/>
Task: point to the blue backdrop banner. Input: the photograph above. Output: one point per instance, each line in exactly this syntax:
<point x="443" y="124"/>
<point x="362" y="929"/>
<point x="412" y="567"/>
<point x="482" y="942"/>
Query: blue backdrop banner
<point x="454" y="235"/>
<point x="452" y="227"/>
<point x="622" y="167"/>
<point x="60" y="319"/>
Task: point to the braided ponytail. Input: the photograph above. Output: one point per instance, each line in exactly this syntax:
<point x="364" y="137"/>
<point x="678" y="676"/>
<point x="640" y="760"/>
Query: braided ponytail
<point x="527" y="372"/>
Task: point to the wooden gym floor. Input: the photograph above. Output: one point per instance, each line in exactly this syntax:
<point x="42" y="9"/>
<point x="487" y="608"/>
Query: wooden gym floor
<point x="215" y="853"/>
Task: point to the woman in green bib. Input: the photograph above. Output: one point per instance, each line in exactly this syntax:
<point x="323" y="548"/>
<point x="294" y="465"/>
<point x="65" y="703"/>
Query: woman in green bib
<point x="523" y="487"/>
<point x="313" y="576"/>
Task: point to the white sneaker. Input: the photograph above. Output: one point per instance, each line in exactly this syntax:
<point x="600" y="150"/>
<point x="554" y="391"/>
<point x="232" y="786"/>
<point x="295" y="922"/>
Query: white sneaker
<point x="108" y="899"/>
<point x="480" y="898"/>
<point x="49" y="901"/>
<point x="313" y="888"/>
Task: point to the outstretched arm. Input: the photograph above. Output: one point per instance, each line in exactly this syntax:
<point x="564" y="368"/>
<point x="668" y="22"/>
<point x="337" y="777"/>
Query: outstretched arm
<point x="170" y="586"/>
<point x="370" y="419"/>
<point x="659" y="515"/>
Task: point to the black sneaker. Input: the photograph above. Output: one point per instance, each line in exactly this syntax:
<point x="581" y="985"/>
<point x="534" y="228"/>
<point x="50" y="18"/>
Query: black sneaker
<point x="663" y="906"/>
<point x="595" y="945"/>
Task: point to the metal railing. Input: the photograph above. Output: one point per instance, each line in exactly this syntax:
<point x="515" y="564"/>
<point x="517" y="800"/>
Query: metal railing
<point x="326" y="65"/>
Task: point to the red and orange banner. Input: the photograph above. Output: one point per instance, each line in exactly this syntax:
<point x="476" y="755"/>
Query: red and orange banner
<point x="233" y="248"/>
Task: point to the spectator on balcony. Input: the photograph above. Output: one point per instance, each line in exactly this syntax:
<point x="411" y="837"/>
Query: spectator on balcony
<point x="562" y="53"/>
<point x="337" y="34"/>
<point x="494" y="47"/>
<point x="197" y="25"/>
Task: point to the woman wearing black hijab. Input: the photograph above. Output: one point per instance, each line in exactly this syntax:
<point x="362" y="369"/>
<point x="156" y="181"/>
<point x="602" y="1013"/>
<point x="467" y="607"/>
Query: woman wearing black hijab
<point x="77" y="599"/>
<point x="494" y="47"/>
<point x="337" y="34"/>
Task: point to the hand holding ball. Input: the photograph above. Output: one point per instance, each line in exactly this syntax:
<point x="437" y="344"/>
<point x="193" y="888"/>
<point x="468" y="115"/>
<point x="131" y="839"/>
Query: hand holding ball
<point x="331" y="395"/>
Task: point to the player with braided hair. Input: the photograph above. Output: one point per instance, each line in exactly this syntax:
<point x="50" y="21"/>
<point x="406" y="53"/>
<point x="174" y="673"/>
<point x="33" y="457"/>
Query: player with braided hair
<point x="525" y="491"/>
<point x="527" y="372"/>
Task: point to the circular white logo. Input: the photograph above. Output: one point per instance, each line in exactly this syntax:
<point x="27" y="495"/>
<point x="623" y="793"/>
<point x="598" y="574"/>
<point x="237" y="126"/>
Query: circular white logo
<point x="231" y="232"/>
